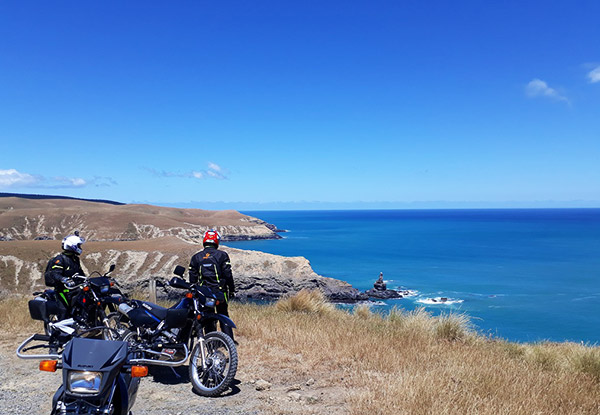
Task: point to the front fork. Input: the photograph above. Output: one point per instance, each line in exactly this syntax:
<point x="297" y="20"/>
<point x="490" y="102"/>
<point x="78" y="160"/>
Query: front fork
<point x="199" y="334"/>
<point x="202" y="352"/>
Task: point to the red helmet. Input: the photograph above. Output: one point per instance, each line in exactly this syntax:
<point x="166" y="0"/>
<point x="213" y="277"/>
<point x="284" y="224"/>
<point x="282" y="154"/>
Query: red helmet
<point x="211" y="237"/>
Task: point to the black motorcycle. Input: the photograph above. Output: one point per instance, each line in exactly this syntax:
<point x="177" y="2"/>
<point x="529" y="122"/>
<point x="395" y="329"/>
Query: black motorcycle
<point x="83" y="305"/>
<point x="165" y="334"/>
<point x="99" y="376"/>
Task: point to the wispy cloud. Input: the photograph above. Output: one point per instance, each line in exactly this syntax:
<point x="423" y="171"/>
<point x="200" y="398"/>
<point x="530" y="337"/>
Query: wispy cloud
<point x="214" y="171"/>
<point x="538" y="88"/>
<point x="594" y="75"/>
<point x="12" y="178"/>
<point x="100" y="181"/>
<point x="66" y="182"/>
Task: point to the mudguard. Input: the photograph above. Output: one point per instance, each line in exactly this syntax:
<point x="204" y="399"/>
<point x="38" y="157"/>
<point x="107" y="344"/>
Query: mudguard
<point x="58" y="394"/>
<point x="126" y="395"/>
<point x="220" y="317"/>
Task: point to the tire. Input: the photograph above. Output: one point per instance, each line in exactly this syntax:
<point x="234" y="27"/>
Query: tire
<point x="52" y="318"/>
<point x="115" y="321"/>
<point x="221" y="364"/>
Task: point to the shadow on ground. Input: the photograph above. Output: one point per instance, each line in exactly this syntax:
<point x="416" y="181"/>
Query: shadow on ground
<point x="169" y="375"/>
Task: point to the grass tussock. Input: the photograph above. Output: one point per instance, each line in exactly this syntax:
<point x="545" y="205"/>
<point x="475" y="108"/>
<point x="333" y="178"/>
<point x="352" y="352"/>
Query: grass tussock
<point x="453" y="327"/>
<point x="305" y="301"/>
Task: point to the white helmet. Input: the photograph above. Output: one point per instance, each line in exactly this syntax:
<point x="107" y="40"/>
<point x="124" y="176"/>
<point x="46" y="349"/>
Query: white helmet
<point x="73" y="243"/>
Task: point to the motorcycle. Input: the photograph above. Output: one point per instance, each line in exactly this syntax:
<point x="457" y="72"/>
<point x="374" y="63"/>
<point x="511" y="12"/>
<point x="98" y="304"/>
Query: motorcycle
<point x="99" y="376"/>
<point x="89" y="299"/>
<point x="164" y="333"/>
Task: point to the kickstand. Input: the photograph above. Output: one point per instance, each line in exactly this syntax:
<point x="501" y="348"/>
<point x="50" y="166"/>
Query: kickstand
<point x="175" y="372"/>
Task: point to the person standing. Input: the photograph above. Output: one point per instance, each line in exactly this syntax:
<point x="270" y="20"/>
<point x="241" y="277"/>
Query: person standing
<point x="63" y="269"/>
<point x="212" y="267"/>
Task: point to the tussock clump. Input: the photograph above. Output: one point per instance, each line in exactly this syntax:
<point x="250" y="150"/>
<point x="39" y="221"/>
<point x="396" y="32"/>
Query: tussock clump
<point x="453" y="327"/>
<point x="513" y="350"/>
<point x="363" y="312"/>
<point x="306" y="301"/>
<point x="586" y="360"/>
<point x="418" y="323"/>
<point x="545" y="355"/>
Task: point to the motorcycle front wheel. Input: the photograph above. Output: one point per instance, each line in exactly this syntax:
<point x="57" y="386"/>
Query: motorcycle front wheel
<point x="213" y="364"/>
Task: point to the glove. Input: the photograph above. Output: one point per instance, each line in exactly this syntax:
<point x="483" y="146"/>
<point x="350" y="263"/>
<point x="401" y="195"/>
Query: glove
<point x="67" y="282"/>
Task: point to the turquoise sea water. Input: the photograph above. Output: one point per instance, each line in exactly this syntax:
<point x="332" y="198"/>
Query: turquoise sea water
<point x="523" y="275"/>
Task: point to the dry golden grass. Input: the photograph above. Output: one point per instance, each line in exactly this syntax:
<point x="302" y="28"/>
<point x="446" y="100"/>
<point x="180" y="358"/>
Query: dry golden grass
<point x="15" y="316"/>
<point x="403" y="363"/>
<point x="413" y="363"/>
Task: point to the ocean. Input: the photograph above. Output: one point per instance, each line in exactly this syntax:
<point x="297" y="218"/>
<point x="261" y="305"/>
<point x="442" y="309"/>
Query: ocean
<point x="524" y="275"/>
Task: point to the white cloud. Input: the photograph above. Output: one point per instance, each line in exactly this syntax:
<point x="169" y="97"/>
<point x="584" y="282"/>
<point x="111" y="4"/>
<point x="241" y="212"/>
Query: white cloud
<point x="68" y="182"/>
<point x="214" y="171"/>
<point x="213" y="166"/>
<point x="594" y="75"/>
<point x="538" y="88"/>
<point x="14" y="178"/>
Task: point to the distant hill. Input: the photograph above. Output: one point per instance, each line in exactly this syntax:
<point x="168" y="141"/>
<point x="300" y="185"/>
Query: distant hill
<point x="28" y="196"/>
<point x="47" y="217"/>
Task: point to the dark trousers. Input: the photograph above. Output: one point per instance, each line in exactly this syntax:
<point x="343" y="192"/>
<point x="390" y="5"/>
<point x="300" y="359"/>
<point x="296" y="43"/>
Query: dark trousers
<point x="221" y="308"/>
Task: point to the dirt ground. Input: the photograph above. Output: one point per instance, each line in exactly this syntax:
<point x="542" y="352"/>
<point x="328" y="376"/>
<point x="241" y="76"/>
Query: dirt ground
<point x="26" y="390"/>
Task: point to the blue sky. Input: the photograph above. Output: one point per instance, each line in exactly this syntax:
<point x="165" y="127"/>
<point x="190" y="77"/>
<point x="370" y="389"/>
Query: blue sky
<point x="302" y="104"/>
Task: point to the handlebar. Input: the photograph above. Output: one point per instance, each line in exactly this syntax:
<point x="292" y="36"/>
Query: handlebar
<point x="36" y="337"/>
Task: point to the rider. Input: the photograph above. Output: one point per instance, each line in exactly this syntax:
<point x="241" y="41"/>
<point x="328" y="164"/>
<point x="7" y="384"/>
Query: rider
<point x="63" y="268"/>
<point x="212" y="267"/>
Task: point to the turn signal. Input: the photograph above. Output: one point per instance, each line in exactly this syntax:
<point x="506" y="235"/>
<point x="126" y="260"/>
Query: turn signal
<point x="189" y="295"/>
<point x="112" y="284"/>
<point x="139" y="371"/>
<point x="86" y="288"/>
<point x="48" y="365"/>
<point x="217" y="302"/>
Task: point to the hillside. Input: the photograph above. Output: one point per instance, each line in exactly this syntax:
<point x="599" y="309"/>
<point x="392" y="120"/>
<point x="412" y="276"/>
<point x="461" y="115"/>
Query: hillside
<point x="144" y="242"/>
<point x="25" y="219"/>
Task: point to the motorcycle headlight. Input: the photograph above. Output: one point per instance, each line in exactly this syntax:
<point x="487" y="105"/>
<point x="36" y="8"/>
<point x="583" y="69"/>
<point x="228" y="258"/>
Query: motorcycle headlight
<point x="104" y="289"/>
<point x="84" y="381"/>
<point x="210" y="302"/>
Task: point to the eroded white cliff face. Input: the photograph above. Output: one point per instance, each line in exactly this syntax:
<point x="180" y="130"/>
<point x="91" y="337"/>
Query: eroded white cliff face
<point x="18" y="274"/>
<point x="257" y="274"/>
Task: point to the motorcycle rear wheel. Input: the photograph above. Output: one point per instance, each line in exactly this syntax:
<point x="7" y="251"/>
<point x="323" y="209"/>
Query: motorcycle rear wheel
<point x="220" y="355"/>
<point x="120" y="329"/>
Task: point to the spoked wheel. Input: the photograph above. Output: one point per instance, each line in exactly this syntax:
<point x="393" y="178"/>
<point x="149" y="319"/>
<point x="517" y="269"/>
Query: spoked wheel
<point x="213" y="364"/>
<point x="52" y="318"/>
<point x="119" y="328"/>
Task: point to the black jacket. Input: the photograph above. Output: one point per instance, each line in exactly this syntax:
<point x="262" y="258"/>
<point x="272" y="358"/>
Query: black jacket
<point x="211" y="267"/>
<point x="63" y="265"/>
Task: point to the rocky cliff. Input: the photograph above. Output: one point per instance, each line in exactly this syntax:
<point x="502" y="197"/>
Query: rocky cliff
<point x="258" y="275"/>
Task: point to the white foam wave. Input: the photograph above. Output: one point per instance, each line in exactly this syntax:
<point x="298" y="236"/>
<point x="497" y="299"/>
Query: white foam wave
<point x="439" y="300"/>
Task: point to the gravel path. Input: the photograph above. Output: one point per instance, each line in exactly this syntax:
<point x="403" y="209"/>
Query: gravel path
<point x="26" y="390"/>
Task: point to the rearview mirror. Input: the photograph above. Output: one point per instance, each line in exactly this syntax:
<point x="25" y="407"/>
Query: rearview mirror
<point x="111" y="268"/>
<point x="179" y="270"/>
